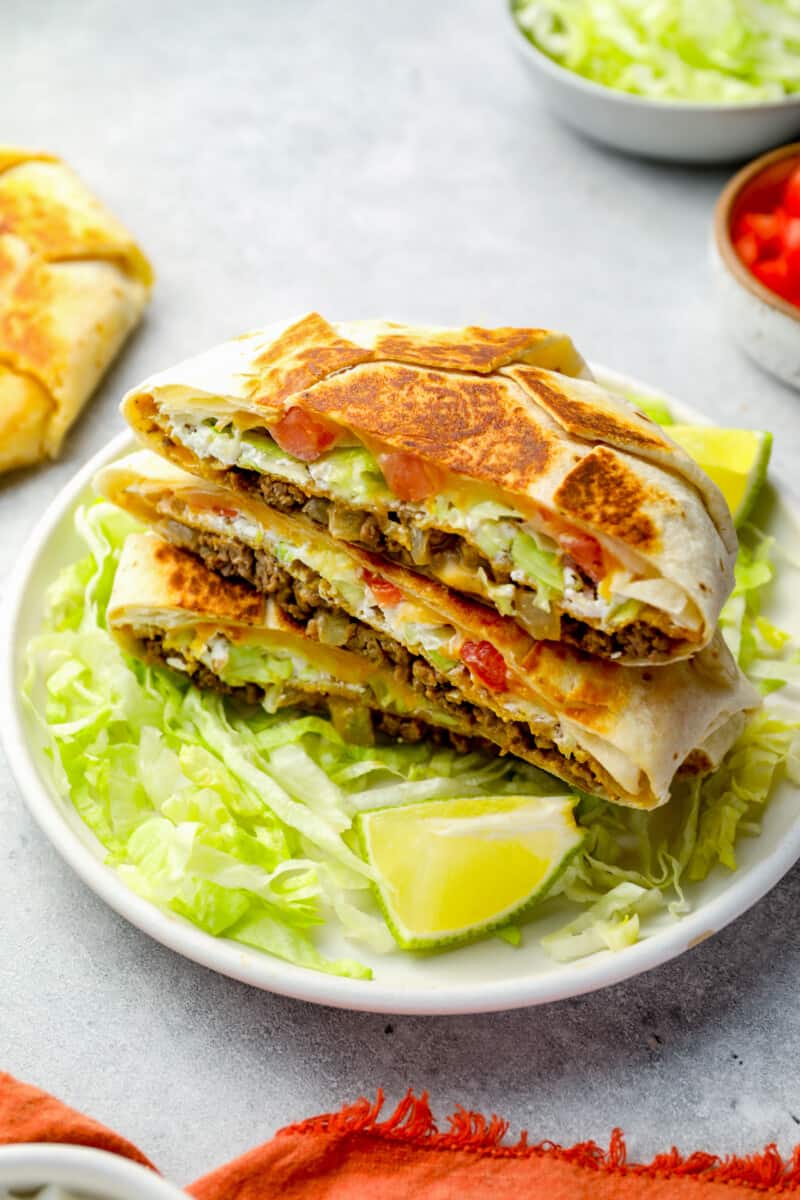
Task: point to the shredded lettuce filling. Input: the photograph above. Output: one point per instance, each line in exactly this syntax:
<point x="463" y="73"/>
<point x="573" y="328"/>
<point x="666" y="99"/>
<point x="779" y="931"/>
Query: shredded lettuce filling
<point x="542" y="566"/>
<point x="709" y="51"/>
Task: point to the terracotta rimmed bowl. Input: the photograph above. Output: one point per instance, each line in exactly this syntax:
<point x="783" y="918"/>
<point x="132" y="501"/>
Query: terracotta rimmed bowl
<point x="766" y="326"/>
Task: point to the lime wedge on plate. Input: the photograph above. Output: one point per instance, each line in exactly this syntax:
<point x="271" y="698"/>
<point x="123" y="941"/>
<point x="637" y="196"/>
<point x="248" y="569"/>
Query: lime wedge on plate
<point x="657" y="410"/>
<point x="736" y="460"/>
<point x="447" y="870"/>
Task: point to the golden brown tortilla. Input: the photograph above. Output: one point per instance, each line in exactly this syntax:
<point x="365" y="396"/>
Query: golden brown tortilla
<point x="73" y="284"/>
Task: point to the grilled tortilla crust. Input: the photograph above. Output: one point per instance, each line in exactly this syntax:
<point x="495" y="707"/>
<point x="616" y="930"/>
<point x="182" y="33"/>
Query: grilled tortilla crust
<point x="312" y="350"/>
<point x="511" y="410"/>
<point x="173" y="579"/>
<point x="73" y="284"/>
<point x="493" y="404"/>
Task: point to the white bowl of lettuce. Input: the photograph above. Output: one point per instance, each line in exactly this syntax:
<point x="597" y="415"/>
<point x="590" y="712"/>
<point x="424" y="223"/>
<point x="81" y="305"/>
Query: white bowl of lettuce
<point x="703" y="82"/>
<point x="231" y="839"/>
<point x="49" y="1171"/>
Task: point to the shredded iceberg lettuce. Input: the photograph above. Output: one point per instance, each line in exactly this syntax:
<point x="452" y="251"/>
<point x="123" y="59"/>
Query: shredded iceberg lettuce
<point x="763" y="651"/>
<point x="351" y="472"/>
<point x="696" y="831"/>
<point x="542" y="567"/>
<point x="709" y="51"/>
<point x="611" y="923"/>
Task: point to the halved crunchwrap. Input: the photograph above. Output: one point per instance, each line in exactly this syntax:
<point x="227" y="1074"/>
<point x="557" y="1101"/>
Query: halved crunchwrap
<point x="73" y="284"/>
<point x="614" y="730"/>
<point x="486" y="459"/>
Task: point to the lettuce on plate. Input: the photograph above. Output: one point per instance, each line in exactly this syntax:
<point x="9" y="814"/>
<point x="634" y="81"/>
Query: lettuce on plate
<point x="240" y="820"/>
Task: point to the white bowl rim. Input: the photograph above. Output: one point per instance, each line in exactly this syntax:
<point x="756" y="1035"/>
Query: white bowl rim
<point x="84" y="1169"/>
<point x="632" y="99"/>
<point x="271" y="974"/>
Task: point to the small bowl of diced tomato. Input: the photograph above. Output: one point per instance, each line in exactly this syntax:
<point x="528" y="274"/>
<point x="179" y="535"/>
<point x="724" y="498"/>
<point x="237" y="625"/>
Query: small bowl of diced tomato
<point x="757" y="259"/>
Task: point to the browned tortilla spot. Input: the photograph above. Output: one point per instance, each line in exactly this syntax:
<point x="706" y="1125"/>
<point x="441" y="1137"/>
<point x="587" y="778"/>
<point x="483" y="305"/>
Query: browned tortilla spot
<point x="592" y="691"/>
<point x="582" y="419"/>
<point x="199" y="590"/>
<point x="602" y="491"/>
<point x="45" y="225"/>
<point x="9" y="263"/>
<point x="311" y="350"/>
<point x="305" y="353"/>
<point x="469" y="349"/>
<point x="26" y="326"/>
<point x="465" y="423"/>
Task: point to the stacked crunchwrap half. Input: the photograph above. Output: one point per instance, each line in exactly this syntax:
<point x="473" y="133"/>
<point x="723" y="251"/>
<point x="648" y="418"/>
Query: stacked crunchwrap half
<point x="455" y="531"/>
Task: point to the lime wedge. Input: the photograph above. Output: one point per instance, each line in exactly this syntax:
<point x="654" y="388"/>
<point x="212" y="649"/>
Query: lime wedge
<point x="448" y="870"/>
<point x="657" y="410"/>
<point x="736" y="460"/>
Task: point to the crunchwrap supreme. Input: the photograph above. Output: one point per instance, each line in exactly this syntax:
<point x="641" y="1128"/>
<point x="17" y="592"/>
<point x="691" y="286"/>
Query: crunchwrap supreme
<point x="486" y="459"/>
<point x="73" y="284"/>
<point x="610" y="729"/>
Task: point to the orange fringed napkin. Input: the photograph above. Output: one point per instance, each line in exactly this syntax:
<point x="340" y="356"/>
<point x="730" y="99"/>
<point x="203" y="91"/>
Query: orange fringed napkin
<point x="353" y="1155"/>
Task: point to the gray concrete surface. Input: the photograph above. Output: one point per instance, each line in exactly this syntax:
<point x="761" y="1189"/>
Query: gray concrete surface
<point x="365" y="159"/>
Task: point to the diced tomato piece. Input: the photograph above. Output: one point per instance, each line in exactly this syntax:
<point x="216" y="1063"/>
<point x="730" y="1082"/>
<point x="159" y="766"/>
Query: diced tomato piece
<point x="303" y="435"/>
<point x="791" y="193"/>
<point x="409" y="477"/>
<point x="486" y="664"/>
<point x="586" y="552"/>
<point x="225" y="512"/>
<point x="382" y="589"/>
<point x="551" y="523"/>
<point x="766" y="228"/>
<point x="791" y="250"/>
<point x="747" y="248"/>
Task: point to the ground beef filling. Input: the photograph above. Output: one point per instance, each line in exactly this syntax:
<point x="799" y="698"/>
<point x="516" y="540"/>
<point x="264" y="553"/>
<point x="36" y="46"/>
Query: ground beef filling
<point x="393" y="725"/>
<point x="302" y="593"/>
<point x="638" y="640"/>
<point x="390" y="534"/>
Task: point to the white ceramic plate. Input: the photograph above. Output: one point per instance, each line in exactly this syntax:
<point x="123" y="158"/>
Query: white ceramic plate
<point x="483" y="977"/>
